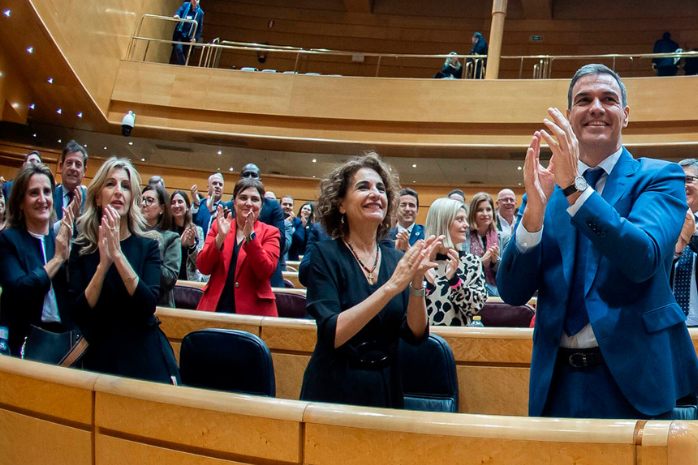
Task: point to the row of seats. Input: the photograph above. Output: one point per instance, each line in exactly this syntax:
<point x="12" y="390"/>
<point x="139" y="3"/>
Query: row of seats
<point x="290" y="303"/>
<point x="240" y="362"/>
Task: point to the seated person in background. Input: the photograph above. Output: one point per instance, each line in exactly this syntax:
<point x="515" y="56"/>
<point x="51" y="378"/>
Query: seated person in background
<point x="156" y="180"/>
<point x="269" y="195"/>
<point x="301" y="226"/>
<point x="115" y="280"/>
<point x="287" y="209"/>
<point x="203" y="214"/>
<point x="452" y="69"/>
<point x="358" y="290"/>
<point x="456" y="289"/>
<point x="32" y="158"/>
<point x="241" y="255"/>
<point x="483" y="240"/>
<point x="406" y="233"/>
<point x="32" y="275"/>
<point x="191" y="237"/>
<point x="457" y="194"/>
<point x="184" y="31"/>
<point x="156" y="211"/>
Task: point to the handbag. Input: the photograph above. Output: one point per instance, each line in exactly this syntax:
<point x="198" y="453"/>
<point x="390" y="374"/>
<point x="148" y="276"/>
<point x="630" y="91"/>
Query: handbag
<point x="63" y="349"/>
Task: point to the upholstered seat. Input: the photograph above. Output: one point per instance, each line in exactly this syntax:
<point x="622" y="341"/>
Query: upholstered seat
<point x="227" y="360"/>
<point x="501" y="315"/>
<point x="187" y="297"/>
<point x="290" y="305"/>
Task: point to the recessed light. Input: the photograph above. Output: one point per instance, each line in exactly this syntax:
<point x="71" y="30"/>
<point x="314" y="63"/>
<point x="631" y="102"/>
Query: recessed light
<point x="31" y="106"/>
<point x="519" y="184"/>
<point x="105" y="147"/>
<point x="50" y="80"/>
<point x="0" y="73"/>
<point x="519" y="168"/>
<point x="414" y="165"/>
<point x="80" y="115"/>
<point x="313" y="177"/>
<point x="60" y="141"/>
<point x="230" y="169"/>
<point x="59" y="111"/>
<point x="15" y="105"/>
<point x="34" y="135"/>
<point x="219" y="169"/>
<point x="314" y="160"/>
<point x="220" y="152"/>
<point x="130" y="143"/>
<point x="30" y="49"/>
<point x="414" y="182"/>
<point x="142" y="159"/>
<point x="84" y="145"/>
<point x="7" y="13"/>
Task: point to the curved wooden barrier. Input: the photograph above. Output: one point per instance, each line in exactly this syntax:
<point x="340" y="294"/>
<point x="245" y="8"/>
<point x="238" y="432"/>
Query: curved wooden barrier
<point x="51" y="415"/>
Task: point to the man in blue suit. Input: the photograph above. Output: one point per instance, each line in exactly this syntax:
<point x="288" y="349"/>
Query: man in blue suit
<point x="72" y="167"/>
<point x="406" y="233"/>
<point x="596" y="241"/>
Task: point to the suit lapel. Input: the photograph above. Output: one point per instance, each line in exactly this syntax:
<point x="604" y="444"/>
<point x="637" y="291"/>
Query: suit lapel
<point x="58" y="202"/>
<point x="416" y="234"/>
<point x="564" y="232"/>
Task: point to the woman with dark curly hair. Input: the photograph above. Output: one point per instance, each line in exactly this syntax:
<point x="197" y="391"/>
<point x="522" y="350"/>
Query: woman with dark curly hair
<point x="358" y="290"/>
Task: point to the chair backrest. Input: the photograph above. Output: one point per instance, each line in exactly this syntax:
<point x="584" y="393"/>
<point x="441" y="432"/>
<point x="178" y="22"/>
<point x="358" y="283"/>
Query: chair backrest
<point x="187" y="297"/>
<point x="429" y="379"/>
<point x="227" y="360"/>
<point x="288" y="284"/>
<point x="290" y="305"/>
<point x="684" y="412"/>
<point x="501" y="315"/>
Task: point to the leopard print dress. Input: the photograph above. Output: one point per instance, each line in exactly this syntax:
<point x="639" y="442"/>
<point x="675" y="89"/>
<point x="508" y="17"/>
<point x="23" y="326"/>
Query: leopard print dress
<point x="454" y="302"/>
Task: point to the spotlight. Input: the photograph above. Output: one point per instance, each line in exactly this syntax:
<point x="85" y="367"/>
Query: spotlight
<point x="50" y="80"/>
<point x="31" y="106"/>
<point x="59" y="111"/>
<point x="80" y="115"/>
<point x="220" y="152"/>
<point x="30" y="49"/>
<point x="7" y="13"/>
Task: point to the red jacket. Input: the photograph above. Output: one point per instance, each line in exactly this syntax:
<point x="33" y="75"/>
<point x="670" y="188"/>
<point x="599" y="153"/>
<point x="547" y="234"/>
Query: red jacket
<point x="256" y="263"/>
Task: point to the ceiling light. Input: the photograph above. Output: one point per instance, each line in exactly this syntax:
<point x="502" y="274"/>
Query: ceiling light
<point x="142" y="159"/>
<point x="34" y="135"/>
<point x="31" y="106"/>
<point x="314" y="160"/>
<point x="414" y="165"/>
<point x="414" y="182"/>
<point x="60" y="141"/>
<point x="59" y="111"/>
<point x="230" y="169"/>
<point x="519" y="184"/>
<point x="219" y="169"/>
<point x="50" y="80"/>
<point x="15" y="105"/>
<point x="130" y="143"/>
<point x="220" y="152"/>
<point x="84" y="145"/>
<point x="519" y="168"/>
<point x="7" y="13"/>
<point x="80" y="115"/>
<point x="30" y="49"/>
<point x="105" y="147"/>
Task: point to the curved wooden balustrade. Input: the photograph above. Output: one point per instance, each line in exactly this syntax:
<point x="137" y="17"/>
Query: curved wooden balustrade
<point x="61" y="416"/>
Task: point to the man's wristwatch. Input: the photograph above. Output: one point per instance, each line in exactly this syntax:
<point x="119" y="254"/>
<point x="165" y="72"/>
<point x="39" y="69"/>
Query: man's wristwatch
<point x="579" y="185"/>
<point x="251" y="237"/>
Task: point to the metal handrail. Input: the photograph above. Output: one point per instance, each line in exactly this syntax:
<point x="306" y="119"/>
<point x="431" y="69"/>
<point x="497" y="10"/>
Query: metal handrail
<point x="137" y="33"/>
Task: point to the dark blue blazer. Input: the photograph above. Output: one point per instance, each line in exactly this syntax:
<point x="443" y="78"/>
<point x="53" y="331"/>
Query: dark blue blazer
<point x="58" y="201"/>
<point x="640" y="329"/>
<point x="318" y="234"/>
<point x="272" y="215"/>
<point x="417" y="234"/>
<point x="203" y="216"/>
<point x="185" y="29"/>
<point x="25" y="283"/>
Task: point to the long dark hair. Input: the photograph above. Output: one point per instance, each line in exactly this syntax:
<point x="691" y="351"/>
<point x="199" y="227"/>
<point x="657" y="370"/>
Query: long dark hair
<point x="187" y="214"/>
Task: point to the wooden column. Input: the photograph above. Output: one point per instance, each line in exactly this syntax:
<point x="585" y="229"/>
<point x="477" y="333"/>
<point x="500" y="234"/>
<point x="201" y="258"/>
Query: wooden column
<point x="494" y="51"/>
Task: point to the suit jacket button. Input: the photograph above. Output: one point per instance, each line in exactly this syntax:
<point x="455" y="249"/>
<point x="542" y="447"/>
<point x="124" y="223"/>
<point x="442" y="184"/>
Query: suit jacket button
<point x="590" y="223"/>
<point x="237" y="284"/>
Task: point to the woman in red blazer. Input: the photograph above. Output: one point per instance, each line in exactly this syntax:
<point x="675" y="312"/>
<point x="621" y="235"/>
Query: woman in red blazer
<point x="249" y="247"/>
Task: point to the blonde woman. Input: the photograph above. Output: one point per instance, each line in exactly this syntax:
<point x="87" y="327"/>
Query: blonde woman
<point x="456" y="288"/>
<point x="115" y="280"/>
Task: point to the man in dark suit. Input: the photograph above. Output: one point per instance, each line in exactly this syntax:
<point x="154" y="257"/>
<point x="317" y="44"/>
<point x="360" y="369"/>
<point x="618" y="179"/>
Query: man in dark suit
<point x="272" y="215"/>
<point x="596" y="241"/>
<point x="683" y="281"/>
<point x="666" y="66"/>
<point x="72" y="168"/>
<point x="406" y="233"/>
<point x="32" y="158"/>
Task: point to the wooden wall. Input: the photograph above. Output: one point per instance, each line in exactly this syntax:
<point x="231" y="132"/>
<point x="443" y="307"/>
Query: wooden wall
<point x="414" y="26"/>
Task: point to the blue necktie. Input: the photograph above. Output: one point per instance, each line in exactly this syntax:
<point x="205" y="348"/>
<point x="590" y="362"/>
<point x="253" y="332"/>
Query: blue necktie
<point x="682" y="279"/>
<point x="577" y="317"/>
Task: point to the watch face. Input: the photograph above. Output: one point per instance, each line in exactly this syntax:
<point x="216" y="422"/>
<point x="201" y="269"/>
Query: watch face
<point x="580" y="183"/>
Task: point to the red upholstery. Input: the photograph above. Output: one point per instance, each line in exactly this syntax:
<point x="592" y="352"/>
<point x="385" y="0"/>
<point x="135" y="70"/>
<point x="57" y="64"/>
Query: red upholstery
<point x="501" y="315"/>
<point x="187" y="297"/>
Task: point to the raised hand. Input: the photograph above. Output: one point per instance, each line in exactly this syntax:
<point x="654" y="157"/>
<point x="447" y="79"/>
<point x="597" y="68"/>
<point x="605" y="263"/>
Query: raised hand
<point x="223" y="221"/>
<point x="687" y="231"/>
<point x="494" y="253"/>
<point x="564" y="145"/>
<point x="111" y="223"/>
<point x="539" y="183"/>
<point x="65" y="234"/>
<point x="76" y="203"/>
<point x="452" y="264"/>
<point x="195" y="195"/>
<point x="402" y="241"/>
<point x="248" y="227"/>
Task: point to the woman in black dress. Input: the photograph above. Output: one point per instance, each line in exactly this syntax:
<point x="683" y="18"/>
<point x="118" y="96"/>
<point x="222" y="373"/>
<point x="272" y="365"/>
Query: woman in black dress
<point x="115" y="279"/>
<point x="358" y="290"/>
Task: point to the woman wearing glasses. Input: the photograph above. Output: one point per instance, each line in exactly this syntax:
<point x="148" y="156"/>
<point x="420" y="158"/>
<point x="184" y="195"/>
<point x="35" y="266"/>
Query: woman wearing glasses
<point x="155" y="207"/>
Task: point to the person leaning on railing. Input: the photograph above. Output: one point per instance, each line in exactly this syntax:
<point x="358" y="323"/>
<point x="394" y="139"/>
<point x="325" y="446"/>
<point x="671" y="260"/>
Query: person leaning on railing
<point x="358" y="290"/>
<point x="115" y="280"/>
<point x="184" y="31"/>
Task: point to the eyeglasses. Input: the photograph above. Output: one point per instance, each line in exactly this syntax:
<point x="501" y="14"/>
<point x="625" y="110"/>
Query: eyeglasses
<point x="691" y="179"/>
<point x="148" y="201"/>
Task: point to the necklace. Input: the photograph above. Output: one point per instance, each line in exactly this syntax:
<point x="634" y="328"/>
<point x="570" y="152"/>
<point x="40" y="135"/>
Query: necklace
<point x="369" y="273"/>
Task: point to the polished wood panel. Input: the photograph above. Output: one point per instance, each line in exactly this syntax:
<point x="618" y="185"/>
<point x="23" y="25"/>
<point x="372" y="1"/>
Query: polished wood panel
<point x="178" y="323"/>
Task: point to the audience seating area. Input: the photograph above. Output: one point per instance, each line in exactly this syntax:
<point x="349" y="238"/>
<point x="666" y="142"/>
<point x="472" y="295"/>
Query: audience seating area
<point x="60" y="416"/>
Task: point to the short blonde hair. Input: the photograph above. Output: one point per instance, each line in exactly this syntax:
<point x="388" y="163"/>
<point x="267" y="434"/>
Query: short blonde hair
<point x="88" y="223"/>
<point x="440" y="217"/>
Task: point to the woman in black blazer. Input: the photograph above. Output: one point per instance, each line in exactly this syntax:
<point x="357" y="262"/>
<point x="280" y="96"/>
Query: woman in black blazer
<point x="115" y="280"/>
<point x="32" y="258"/>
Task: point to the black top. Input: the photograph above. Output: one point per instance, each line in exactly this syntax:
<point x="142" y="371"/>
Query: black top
<point x="25" y="283"/>
<point x="185" y="253"/>
<point x="122" y="330"/>
<point x="226" y="303"/>
<point x="363" y="371"/>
